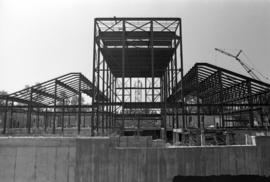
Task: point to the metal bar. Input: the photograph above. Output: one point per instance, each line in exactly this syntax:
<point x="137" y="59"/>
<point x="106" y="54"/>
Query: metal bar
<point x="250" y="101"/>
<point x="198" y="100"/>
<point x="221" y="97"/>
<point x="98" y="91"/>
<point x="166" y="83"/>
<point x="107" y="101"/>
<point x="103" y="89"/>
<point x="46" y="120"/>
<point x="63" y="116"/>
<point x="29" y="118"/>
<point x="66" y="86"/>
<point x="115" y="95"/>
<point x="54" y="108"/>
<point x="5" y="116"/>
<point x="11" y="115"/>
<point x="37" y="122"/>
<point x="79" y="107"/>
<point x="145" y="89"/>
<point x="123" y="75"/>
<point x="138" y="19"/>
<point x="110" y="96"/>
<point x="182" y="72"/>
<point x="176" y="79"/>
<point x="152" y="59"/>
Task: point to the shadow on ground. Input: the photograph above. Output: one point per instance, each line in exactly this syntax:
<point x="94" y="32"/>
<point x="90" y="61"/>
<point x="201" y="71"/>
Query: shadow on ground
<point x="222" y="178"/>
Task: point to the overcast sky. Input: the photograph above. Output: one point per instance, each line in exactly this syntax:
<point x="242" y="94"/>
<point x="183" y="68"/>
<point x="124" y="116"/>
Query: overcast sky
<point x="40" y="40"/>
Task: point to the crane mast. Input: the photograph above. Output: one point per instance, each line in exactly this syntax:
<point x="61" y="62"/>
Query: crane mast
<point x="245" y="66"/>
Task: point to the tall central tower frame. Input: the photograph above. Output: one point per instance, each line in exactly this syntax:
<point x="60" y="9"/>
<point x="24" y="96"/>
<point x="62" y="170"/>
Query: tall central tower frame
<point x="127" y="50"/>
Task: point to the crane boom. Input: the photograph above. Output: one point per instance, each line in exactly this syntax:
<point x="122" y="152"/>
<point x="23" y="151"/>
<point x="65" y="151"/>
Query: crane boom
<point x="245" y="66"/>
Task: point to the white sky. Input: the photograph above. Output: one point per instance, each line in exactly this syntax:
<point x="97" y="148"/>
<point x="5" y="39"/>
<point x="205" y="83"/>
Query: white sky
<point x="40" y="40"/>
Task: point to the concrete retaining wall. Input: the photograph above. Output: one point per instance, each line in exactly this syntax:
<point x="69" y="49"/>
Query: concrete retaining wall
<point x="98" y="160"/>
<point x="37" y="159"/>
<point x="162" y="164"/>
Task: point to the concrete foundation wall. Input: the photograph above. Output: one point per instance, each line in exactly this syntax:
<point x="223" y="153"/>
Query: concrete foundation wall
<point x="98" y="160"/>
<point x="162" y="164"/>
<point x="37" y="159"/>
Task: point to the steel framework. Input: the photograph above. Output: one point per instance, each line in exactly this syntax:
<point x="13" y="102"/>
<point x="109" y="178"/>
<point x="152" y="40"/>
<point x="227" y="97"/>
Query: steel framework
<point x="130" y="49"/>
<point x="217" y="91"/>
<point x="47" y="101"/>
<point x="138" y="79"/>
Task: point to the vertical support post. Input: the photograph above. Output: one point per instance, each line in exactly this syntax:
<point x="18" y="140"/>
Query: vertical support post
<point x="29" y="118"/>
<point x="5" y="116"/>
<point x="152" y="59"/>
<point x="221" y="98"/>
<point x="54" y="108"/>
<point x="115" y="95"/>
<point x="176" y="79"/>
<point x="123" y="75"/>
<point x="130" y="90"/>
<point x="46" y="120"/>
<point x="63" y="116"/>
<point x="130" y="95"/>
<point x="172" y="85"/>
<point x="250" y="102"/>
<point x="79" y="106"/>
<point x="107" y="98"/>
<point x="84" y="120"/>
<point x="198" y="100"/>
<point x="165" y="107"/>
<point x="103" y="99"/>
<point x="69" y="118"/>
<point x="145" y="89"/>
<point x="94" y="79"/>
<point x="98" y="92"/>
<point x="182" y="72"/>
<point x="110" y="100"/>
<point x="38" y="112"/>
<point x="11" y="115"/>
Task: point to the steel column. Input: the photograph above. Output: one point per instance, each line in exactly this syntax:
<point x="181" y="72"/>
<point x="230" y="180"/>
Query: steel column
<point x="123" y="75"/>
<point x="79" y="106"/>
<point x="29" y="118"/>
<point x="54" y="109"/>
<point x="152" y="59"/>
<point x="5" y="117"/>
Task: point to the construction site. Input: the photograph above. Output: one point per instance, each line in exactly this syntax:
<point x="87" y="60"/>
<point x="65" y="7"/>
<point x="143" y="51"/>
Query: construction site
<point x="147" y="121"/>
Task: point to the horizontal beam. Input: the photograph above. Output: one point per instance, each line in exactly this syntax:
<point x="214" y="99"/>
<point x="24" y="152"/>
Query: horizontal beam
<point x="138" y="19"/>
<point x="66" y="86"/>
<point x="46" y="94"/>
<point x="33" y="103"/>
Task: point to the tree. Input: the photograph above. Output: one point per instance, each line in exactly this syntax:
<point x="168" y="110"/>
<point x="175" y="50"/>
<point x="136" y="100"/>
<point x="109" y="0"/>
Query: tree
<point x="2" y="101"/>
<point x="75" y="100"/>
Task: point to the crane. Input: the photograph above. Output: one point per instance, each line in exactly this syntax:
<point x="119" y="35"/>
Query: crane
<point x="245" y="66"/>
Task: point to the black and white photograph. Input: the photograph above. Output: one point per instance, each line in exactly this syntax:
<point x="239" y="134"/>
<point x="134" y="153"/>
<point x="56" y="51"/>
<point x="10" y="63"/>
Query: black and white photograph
<point x="134" y="90"/>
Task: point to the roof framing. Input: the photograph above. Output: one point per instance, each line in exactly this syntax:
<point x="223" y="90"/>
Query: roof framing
<point x="57" y="89"/>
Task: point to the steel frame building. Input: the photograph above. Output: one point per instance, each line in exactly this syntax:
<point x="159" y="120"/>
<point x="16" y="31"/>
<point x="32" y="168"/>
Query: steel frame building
<point x="46" y="101"/>
<point x="217" y="91"/>
<point x="130" y="49"/>
<point x="138" y="76"/>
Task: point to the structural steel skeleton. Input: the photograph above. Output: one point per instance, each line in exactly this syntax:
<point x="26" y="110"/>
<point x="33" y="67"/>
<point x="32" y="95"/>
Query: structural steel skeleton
<point x="128" y="49"/>
<point x="149" y="51"/>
